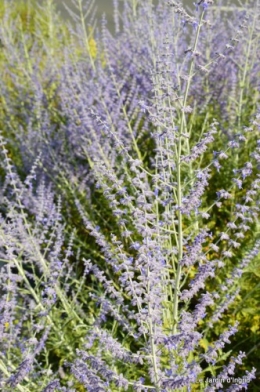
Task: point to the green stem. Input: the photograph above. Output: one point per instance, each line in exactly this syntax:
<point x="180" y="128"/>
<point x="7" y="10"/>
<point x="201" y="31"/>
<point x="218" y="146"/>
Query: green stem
<point x="179" y="186"/>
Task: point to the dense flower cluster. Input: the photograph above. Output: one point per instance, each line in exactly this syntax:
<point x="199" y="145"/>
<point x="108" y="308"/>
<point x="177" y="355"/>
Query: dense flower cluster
<point x="129" y="197"/>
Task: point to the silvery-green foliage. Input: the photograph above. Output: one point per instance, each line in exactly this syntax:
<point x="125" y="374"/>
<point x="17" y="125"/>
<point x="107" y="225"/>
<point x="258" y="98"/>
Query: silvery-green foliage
<point x="130" y="160"/>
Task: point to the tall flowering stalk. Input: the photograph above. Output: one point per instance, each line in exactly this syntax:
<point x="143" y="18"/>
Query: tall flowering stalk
<point x="159" y="209"/>
<point x="182" y="131"/>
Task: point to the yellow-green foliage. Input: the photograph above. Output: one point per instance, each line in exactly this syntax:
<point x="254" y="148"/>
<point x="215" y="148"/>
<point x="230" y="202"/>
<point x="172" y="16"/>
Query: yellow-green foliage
<point x="25" y="26"/>
<point x="20" y="18"/>
<point x="32" y="40"/>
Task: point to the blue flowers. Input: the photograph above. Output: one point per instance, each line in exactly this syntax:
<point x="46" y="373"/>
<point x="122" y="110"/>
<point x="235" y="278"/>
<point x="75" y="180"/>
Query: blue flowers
<point x="129" y="198"/>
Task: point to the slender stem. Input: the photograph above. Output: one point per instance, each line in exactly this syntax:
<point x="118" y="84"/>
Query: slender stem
<point x="151" y="332"/>
<point x="179" y="186"/>
<point x="244" y="76"/>
<point x="86" y="38"/>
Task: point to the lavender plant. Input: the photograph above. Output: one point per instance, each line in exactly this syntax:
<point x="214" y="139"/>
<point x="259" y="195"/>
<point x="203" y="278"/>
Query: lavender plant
<point x="127" y="281"/>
